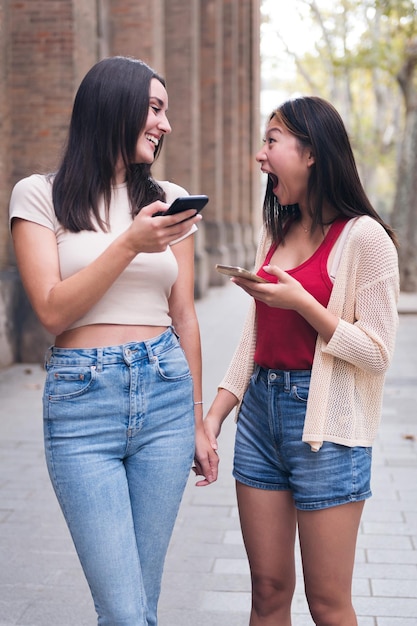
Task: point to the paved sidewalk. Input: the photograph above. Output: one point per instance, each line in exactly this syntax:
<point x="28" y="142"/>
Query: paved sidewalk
<point x="206" y="577"/>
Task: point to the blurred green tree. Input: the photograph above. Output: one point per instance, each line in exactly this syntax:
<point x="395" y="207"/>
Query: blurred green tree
<point x="362" y="56"/>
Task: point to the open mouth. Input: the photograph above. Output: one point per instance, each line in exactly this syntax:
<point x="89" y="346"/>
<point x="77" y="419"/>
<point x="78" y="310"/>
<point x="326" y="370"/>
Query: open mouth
<point x="274" y="180"/>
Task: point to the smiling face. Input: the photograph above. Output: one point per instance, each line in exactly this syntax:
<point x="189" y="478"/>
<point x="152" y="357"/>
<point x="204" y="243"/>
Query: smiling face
<point x="156" y="125"/>
<point x="287" y="163"/>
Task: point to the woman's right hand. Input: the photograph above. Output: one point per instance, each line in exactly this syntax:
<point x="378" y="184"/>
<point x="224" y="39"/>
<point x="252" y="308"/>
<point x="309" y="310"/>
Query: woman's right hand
<point x="222" y="405"/>
<point x="153" y="234"/>
<point x="212" y="428"/>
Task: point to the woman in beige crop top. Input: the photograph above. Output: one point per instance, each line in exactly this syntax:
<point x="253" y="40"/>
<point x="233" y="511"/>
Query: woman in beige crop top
<point x="302" y="456"/>
<point x="115" y="285"/>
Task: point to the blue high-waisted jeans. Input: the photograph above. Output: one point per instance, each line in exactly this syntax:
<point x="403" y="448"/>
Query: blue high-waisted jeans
<point x="119" y="444"/>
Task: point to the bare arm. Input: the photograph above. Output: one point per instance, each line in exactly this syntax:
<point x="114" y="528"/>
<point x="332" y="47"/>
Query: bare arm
<point x="185" y="321"/>
<point x="222" y="405"/>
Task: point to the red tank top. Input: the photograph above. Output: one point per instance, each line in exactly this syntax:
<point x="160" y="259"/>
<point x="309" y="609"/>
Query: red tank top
<point x="284" y="339"/>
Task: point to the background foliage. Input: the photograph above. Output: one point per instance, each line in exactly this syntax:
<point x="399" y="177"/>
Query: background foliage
<point x="362" y="56"/>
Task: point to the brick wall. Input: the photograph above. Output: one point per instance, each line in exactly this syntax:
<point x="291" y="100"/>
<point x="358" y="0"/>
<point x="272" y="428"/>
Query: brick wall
<point x="5" y="136"/>
<point x="208" y="52"/>
<point x="41" y="81"/>
<point x="8" y="274"/>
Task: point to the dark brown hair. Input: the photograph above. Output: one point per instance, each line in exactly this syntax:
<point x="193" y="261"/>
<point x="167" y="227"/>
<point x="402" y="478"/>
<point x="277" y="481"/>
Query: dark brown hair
<point x="334" y="178"/>
<point x="109" y="113"/>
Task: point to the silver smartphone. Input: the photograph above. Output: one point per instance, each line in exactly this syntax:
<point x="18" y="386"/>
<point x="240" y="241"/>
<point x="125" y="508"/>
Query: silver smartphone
<point x="239" y="272"/>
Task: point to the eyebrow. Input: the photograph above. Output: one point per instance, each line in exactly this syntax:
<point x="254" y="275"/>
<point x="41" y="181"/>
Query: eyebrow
<point x="159" y="101"/>
<point x="274" y="129"/>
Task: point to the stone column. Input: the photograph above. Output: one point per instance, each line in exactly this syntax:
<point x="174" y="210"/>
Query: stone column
<point x="212" y="137"/>
<point x="136" y="29"/>
<point x="49" y="48"/>
<point x="182" y="148"/>
<point x="231" y="129"/>
<point x="8" y="274"/>
<point x="249" y="129"/>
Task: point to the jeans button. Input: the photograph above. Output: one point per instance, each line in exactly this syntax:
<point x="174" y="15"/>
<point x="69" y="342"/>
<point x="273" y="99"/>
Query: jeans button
<point x="272" y="376"/>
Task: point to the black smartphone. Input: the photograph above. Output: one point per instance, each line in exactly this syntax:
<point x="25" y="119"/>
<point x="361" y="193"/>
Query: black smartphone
<point x="184" y="203"/>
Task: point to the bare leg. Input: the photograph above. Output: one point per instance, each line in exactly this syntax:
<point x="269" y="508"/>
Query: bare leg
<point x="328" y="543"/>
<point x="268" y="521"/>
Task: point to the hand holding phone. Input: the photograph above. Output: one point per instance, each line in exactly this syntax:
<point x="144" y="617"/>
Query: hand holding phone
<point x="239" y="272"/>
<point x="183" y="204"/>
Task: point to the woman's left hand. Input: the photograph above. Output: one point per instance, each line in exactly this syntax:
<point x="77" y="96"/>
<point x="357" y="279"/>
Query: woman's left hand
<point x="206" y="461"/>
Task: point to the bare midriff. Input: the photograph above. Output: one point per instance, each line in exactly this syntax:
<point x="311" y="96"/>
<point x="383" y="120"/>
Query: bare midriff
<point x="101" y="335"/>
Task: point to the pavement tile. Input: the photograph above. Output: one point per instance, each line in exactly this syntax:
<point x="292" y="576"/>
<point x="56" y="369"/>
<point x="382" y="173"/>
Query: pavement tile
<point x="408" y="557"/>
<point x="386" y="606"/>
<point x="375" y="571"/>
<point x="226" y="601"/>
<point x="379" y="541"/>
<point x="231" y="566"/>
<point x="394" y="588"/>
<point x="206" y="578"/>
<point x="396" y="621"/>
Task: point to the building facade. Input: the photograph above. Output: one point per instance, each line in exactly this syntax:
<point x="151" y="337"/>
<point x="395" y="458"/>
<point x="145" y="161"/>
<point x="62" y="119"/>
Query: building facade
<point x="208" y="51"/>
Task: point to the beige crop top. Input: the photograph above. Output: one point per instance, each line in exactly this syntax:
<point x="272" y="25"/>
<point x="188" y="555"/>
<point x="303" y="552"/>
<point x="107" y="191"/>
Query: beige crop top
<point x="140" y="294"/>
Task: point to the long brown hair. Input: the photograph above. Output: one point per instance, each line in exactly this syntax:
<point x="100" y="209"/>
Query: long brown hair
<point x="110" y="111"/>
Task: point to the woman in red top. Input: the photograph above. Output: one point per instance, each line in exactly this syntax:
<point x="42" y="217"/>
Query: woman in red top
<point x="285" y="484"/>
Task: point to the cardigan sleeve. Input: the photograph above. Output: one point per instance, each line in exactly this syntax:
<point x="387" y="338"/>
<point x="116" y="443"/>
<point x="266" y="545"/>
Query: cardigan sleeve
<point x="365" y="334"/>
<point x="346" y="389"/>
<point x="241" y="366"/>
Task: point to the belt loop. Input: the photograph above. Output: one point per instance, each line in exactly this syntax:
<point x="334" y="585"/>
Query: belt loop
<point x="172" y="328"/>
<point x="48" y="356"/>
<point x="151" y="357"/>
<point x="99" y="359"/>
<point x="287" y="381"/>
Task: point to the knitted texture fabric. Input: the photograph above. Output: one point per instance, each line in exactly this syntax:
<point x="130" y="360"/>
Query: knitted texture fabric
<point x="348" y="373"/>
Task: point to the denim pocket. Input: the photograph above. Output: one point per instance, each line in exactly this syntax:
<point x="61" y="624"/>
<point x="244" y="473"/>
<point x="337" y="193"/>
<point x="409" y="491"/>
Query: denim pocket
<point x="299" y="392"/>
<point x="64" y="383"/>
<point x="172" y="364"/>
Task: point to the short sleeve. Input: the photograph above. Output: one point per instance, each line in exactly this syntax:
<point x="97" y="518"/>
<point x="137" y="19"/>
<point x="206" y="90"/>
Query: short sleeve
<point x="31" y="200"/>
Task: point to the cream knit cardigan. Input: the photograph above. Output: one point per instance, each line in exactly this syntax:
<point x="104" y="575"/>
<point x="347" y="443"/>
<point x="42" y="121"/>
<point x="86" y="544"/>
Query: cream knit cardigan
<point x="346" y="389"/>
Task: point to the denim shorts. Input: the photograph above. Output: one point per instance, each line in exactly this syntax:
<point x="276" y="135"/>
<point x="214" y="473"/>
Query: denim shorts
<point x="270" y="453"/>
